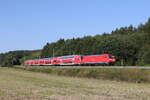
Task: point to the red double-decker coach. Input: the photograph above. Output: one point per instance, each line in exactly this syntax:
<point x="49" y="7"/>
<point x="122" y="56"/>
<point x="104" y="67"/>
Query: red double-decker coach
<point x="70" y="60"/>
<point x="48" y="61"/>
<point x="56" y="61"/>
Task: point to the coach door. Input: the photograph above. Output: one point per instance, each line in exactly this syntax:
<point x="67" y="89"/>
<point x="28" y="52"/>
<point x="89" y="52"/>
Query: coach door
<point x="78" y="59"/>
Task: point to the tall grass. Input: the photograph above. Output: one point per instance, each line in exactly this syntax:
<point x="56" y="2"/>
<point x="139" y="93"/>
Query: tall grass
<point x="119" y="74"/>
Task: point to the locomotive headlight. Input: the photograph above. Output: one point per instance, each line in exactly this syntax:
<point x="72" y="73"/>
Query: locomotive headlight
<point x="112" y="56"/>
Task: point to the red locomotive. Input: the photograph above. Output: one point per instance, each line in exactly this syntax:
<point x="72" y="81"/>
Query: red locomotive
<point x="103" y="59"/>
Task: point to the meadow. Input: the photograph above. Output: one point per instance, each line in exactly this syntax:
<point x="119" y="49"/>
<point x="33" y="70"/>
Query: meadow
<point x="136" y="75"/>
<point x="18" y="84"/>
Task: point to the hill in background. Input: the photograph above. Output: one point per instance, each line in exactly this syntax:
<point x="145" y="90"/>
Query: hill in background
<point x="130" y="45"/>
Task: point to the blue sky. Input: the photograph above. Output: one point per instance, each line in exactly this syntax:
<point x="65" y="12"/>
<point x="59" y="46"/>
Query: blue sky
<point x="30" y="24"/>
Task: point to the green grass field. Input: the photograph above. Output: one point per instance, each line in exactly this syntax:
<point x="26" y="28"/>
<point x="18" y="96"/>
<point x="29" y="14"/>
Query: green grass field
<point x="17" y="84"/>
<point x="135" y="75"/>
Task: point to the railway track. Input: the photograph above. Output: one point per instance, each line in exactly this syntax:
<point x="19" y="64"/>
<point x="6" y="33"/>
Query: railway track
<point x="139" y="67"/>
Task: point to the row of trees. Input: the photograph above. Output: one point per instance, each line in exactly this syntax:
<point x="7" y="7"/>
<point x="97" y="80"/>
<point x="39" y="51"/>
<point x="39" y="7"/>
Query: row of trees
<point x="16" y="57"/>
<point x="130" y="45"/>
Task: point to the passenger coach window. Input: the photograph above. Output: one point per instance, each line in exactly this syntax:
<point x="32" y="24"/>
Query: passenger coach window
<point x="48" y="63"/>
<point x="68" y="57"/>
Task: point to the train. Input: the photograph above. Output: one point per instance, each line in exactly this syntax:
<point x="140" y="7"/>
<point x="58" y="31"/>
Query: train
<point x="100" y="59"/>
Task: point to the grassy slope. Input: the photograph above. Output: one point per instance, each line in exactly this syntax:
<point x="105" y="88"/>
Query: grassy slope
<point x="130" y="75"/>
<point x="16" y="84"/>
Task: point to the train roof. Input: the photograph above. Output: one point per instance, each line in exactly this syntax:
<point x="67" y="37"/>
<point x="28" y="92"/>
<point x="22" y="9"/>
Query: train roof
<point x="41" y="59"/>
<point x="48" y="58"/>
<point x="95" y="55"/>
<point x="69" y="56"/>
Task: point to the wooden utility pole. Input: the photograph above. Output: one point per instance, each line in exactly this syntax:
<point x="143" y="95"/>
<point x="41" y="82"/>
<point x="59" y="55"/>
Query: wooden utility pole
<point x="53" y="52"/>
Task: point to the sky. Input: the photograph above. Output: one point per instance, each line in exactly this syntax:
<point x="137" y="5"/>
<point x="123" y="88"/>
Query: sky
<point x="30" y="24"/>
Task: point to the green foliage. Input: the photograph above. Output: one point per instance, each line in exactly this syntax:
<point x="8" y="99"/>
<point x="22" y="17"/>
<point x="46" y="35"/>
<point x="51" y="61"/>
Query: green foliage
<point x="129" y="45"/>
<point x="124" y="43"/>
<point x="125" y="30"/>
<point x="144" y="55"/>
<point x="14" y="58"/>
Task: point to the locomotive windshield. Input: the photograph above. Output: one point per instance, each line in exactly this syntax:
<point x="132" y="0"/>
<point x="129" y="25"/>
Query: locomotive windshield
<point x="111" y="57"/>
